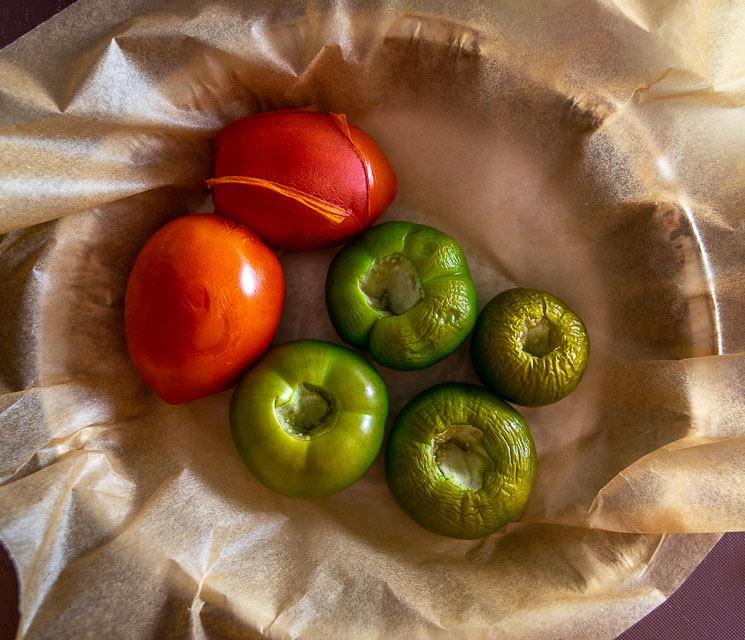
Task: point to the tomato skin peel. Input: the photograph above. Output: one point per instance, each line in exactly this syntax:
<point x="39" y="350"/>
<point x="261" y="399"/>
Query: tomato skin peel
<point x="203" y="302"/>
<point x="300" y="179"/>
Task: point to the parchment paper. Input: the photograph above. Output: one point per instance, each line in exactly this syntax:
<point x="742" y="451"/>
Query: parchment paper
<point x="594" y="149"/>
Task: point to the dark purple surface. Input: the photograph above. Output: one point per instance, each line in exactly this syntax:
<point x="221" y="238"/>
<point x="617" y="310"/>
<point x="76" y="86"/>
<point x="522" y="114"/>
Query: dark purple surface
<point x="19" y="16"/>
<point x="710" y="604"/>
<point x="8" y="597"/>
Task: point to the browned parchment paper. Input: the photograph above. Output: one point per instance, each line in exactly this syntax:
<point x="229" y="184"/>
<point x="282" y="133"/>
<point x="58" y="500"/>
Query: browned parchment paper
<point x="595" y="149"/>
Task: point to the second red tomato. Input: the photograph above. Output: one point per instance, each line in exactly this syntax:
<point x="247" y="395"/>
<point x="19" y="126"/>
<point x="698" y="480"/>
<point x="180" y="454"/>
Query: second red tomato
<point x="300" y="179"/>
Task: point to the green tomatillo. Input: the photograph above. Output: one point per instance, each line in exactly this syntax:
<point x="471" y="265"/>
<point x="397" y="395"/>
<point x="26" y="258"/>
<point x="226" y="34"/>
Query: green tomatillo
<point x="403" y="292"/>
<point x="529" y="347"/>
<point x="308" y="419"/>
<point x="460" y="461"/>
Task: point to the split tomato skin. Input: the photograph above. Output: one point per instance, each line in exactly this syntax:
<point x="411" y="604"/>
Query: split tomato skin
<point x="300" y="179"/>
<point x="203" y="302"/>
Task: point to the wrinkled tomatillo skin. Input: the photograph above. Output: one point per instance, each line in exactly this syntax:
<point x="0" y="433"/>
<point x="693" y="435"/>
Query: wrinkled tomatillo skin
<point x="308" y="420"/>
<point x="403" y="292"/>
<point x="529" y="347"/>
<point x="203" y="302"/>
<point x="300" y="179"/>
<point x="459" y="461"/>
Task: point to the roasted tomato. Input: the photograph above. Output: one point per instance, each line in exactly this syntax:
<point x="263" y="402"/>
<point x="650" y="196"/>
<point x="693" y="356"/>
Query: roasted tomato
<point x="300" y="179"/>
<point x="203" y="303"/>
<point x="402" y="291"/>
<point x="460" y="461"/>
<point x="308" y="419"/>
<point x="529" y="347"/>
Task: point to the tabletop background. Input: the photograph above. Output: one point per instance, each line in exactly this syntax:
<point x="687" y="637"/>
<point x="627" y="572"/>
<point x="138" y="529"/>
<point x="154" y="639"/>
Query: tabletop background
<point x="710" y="604"/>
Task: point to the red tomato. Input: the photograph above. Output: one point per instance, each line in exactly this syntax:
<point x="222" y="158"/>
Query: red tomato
<point x="300" y="179"/>
<point x="203" y="303"/>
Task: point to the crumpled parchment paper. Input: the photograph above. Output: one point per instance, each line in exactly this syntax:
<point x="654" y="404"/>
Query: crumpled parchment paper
<point x="592" y="149"/>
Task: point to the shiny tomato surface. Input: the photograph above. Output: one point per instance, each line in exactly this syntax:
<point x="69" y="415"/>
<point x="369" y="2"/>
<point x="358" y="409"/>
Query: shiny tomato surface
<point x="308" y="420"/>
<point x="203" y="302"/>
<point x="300" y="179"/>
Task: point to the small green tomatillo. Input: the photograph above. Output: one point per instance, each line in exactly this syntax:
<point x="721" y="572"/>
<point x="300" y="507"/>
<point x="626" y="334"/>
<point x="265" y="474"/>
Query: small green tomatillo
<point x="529" y="347"/>
<point x="460" y="461"/>
<point x="403" y="292"/>
<point x="308" y="419"/>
